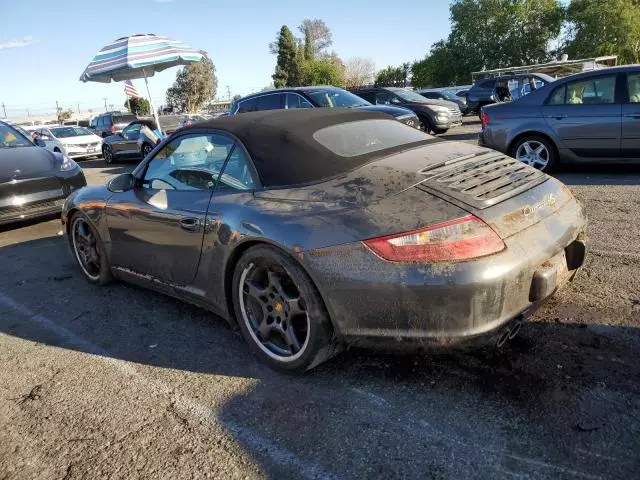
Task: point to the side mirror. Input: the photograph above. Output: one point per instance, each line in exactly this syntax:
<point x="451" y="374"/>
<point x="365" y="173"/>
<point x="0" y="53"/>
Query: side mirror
<point x="122" y="183"/>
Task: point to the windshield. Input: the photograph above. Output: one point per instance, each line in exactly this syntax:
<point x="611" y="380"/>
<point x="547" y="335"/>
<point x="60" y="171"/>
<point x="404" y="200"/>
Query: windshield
<point x="335" y="97"/>
<point x="64" y="132"/>
<point x="11" y="138"/>
<point x="124" y="119"/>
<point x="449" y="96"/>
<point x="409" y="96"/>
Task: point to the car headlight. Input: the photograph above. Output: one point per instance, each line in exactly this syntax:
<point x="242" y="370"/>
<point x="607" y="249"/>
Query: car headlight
<point x="439" y="109"/>
<point x="67" y="164"/>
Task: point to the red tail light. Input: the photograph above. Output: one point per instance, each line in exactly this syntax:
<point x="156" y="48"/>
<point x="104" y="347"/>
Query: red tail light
<point x="456" y="240"/>
<point x="485" y="118"/>
<point x="112" y="129"/>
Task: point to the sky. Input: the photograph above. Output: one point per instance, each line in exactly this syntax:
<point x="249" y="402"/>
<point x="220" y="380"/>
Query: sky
<point x="45" y="46"/>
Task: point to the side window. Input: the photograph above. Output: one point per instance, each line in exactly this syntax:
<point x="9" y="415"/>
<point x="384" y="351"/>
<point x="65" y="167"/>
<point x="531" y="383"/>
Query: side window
<point x="293" y="100"/>
<point x="487" y="84"/>
<point x="237" y="173"/>
<point x="269" y="102"/>
<point x="557" y="96"/>
<point x="368" y="96"/>
<point x="593" y="91"/>
<point x="384" y="98"/>
<point x="512" y="85"/>
<point x="132" y="130"/>
<point x="107" y="120"/>
<point x="248" y="105"/>
<point x="188" y="163"/>
<point x="633" y="84"/>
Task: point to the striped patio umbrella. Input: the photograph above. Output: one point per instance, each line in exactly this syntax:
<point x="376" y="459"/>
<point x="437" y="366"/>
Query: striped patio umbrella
<point x="138" y="56"/>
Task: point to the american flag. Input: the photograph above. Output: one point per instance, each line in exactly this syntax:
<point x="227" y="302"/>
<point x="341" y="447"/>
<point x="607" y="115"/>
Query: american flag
<point x="130" y="90"/>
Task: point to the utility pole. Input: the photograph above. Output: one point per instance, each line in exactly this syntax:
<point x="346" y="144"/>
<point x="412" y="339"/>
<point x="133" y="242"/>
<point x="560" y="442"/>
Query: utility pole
<point x="4" y="110"/>
<point x="105" y="104"/>
<point x="78" y="109"/>
<point x="228" y="92"/>
<point x="28" y="114"/>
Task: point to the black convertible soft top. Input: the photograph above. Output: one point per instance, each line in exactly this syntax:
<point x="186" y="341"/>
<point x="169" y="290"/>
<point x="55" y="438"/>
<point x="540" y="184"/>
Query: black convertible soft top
<point x="282" y="146"/>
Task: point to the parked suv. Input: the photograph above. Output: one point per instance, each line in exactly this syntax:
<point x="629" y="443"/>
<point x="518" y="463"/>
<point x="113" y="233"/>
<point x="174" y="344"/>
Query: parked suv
<point x="592" y="116"/>
<point x="110" y="123"/>
<point x="504" y="89"/>
<point x="313" y="97"/>
<point x="436" y="116"/>
<point x="461" y="100"/>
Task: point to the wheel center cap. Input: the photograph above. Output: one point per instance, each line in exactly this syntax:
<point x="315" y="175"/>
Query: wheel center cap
<point x="277" y="307"/>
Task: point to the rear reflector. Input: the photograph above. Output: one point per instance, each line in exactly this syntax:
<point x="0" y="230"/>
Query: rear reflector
<point x="485" y="118"/>
<point x="455" y="240"/>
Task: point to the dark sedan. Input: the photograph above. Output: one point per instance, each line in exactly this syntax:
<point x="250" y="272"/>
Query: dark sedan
<point x="589" y="117"/>
<point x="460" y="100"/>
<point x="314" y="229"/>
<point x="33" y="181"/>
<point x="317" y="97"/>
<point x="134" y="142"/>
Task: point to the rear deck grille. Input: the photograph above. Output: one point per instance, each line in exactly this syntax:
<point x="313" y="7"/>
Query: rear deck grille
<point x="481" y="180"/>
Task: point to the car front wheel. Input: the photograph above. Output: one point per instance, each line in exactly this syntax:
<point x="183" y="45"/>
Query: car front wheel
<point x="537" y="152"/>
<point x="146" y="149"/>
<point x="280" y="312"/>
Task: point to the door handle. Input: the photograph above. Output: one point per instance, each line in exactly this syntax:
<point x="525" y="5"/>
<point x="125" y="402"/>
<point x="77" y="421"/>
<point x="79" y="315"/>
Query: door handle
<point x="190" y="224"/>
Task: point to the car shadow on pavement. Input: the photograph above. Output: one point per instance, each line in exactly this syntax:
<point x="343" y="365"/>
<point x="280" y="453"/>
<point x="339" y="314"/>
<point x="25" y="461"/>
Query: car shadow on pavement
<point x="560" y="400"/>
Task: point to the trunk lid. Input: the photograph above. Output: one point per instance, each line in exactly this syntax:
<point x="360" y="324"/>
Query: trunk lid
<point x="505" y="193"/>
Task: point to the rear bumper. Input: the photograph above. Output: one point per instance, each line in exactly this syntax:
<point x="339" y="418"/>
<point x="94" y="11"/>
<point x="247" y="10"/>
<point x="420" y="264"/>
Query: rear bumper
<point x="373" y="301"/>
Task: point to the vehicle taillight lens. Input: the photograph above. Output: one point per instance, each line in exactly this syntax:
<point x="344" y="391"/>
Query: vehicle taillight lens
<point x="485" y="118"/>
<point x="112" y="129"/>
<point x="455" y="240"/>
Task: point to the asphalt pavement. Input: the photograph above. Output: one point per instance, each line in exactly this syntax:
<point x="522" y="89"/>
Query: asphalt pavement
<point x="119" y="382"/>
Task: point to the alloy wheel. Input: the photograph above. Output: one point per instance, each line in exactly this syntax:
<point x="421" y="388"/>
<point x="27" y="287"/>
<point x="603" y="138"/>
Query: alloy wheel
<point x="274" y="311"/>
<point x="107" y="154"/>
<point x="533" y="153"/>
<point x="145" y="150"/>
<point x="86" y="248"/>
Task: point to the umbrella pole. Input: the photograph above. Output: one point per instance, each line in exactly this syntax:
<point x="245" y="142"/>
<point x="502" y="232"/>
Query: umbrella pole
<point x="153" y="108"/>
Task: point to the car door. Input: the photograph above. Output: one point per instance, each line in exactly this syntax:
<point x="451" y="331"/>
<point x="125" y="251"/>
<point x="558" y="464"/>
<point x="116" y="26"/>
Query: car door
<point x="585" y="116"/>
<point x="127" y="145"/>
<point x="156" y="229"/>
<point x="630" y="144"/>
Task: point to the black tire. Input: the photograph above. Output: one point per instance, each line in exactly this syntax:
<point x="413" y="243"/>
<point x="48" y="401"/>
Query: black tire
<point x="102" y="273"/>
<point x="57" y="150"/>
<point x="425" y="125"/>
<point x="107" y="154"/>
<point x="312" y="320"/>
<point x="551" y="156"/>
<point x="440" y="131"/>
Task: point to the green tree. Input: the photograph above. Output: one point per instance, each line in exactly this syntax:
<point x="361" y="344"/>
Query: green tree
<point x="604" y="27"/>
<point x="487" y="34"/>
<point x="316" y="38"/>
<point x="391" y="77"/>
<point x="64" y="114"/>
<point x="236" y="97"/>
<point x="138" y="106"/>
<point x="195" y="85"/>
<point x="287" y="72"/>
<point x="328" y="70"/>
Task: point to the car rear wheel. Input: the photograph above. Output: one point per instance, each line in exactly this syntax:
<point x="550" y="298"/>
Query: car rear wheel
<point x="107" y="154"/>
<point x="440" y="131"/>
<point x="280" y="312"/>
<point x="88" y="251"/>
<point x="537" y="152"/>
